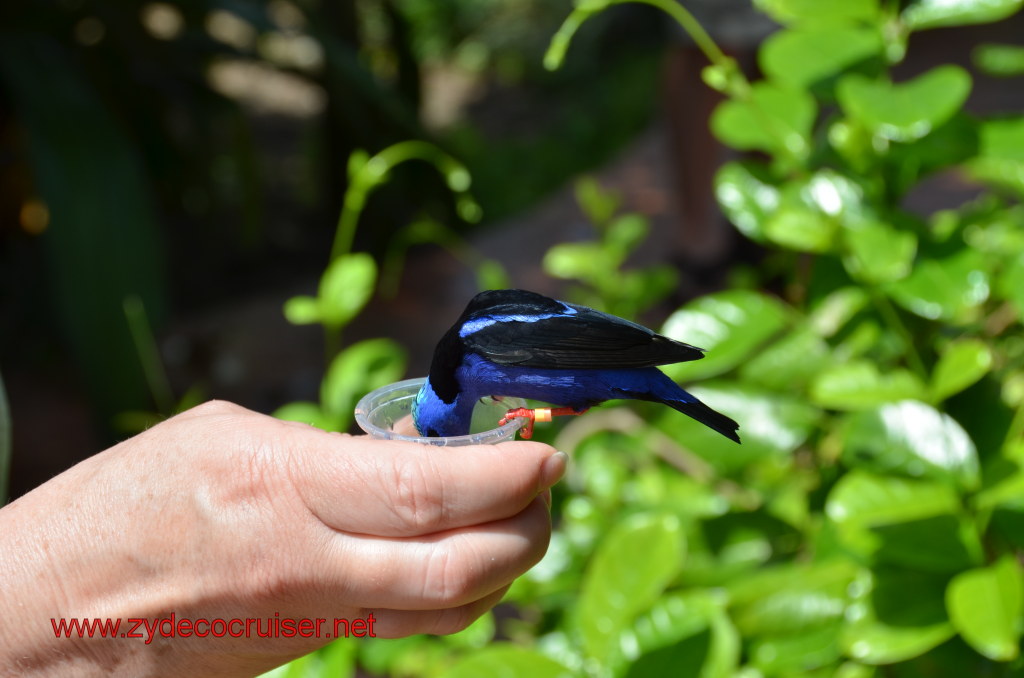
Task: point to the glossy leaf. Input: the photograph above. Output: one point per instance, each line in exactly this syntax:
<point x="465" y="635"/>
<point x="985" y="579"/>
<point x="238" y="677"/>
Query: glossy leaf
<point x="676" y="631"/>
<point x="792" y="360"/>
<point x="746" y="197"/>
<point x="986" y="606"/>
<point x="800" y="653"/>
<point x="878" y="253"/>
<point x="346" y="287"/>
<point x="617" y="585"/>
<point x="801" y="57"/>
<point x="801" y="229"/>
<point x="860" y="385"/>
<point x="862" y="499"/>
<point x="773" y="119"/>
<point x="814" y="11"/>
<point x="771" y="423"/>
<point x="922" y="14"/>
<point x="1001" y="155"/>
<point x="897" y="615"/>
<point x="505" y="660"/>
<point x="961" y="364"/>
<point x="908" y="110"/>
<point x="730" y="326"/>
<point x="913" y="439"/>
<point x="790" y="599"/>
<point x="944" y="289"/>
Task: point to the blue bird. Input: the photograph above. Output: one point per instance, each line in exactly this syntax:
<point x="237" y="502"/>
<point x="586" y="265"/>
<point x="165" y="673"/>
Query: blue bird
<point x="516" y="343"/>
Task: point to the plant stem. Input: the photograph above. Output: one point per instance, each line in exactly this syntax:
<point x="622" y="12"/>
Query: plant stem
<point x="149" y="355"/>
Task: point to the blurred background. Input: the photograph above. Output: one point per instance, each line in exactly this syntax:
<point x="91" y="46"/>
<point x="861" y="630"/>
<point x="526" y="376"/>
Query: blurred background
<point x="284" y="203"/>
<point x="193" y="155"/>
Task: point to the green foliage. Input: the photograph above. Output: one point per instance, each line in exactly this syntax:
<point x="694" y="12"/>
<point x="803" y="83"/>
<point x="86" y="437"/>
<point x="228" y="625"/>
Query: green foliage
<point x="872" y="522"/>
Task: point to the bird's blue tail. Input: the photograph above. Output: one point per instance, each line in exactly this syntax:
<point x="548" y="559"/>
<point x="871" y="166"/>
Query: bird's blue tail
<point x="664" y="390"/>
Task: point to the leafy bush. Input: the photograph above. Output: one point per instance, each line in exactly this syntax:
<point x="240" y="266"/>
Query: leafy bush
<point x="872" y="522"/>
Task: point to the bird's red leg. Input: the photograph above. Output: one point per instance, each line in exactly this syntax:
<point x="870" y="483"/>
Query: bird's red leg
<point x="536" y="414"/>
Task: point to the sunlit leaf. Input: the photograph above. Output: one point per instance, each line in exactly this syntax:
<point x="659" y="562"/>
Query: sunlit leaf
<point x="913" y="439"/>
<point x="771" y="423"/>
<point x="922" y="14"/>
<point x="798" y="653"/>
<point x="302" y="310"/>
<point x="879" y="253"/>
<point x="908" y="110"/>
<point x="803" y="56"/>
<point x="948" y="289"/>
<point x="617" y="585"/>
<point x="814" y="11"/>
<point x="802" y="229"/>
<point x="345" y="287"/>
<point x="790" y="599"/>
<point x="986" y="606"/>
<point x="746" y="197"/>
<point x="505" y="660"/>
<point x="357" y="370"/>
<point x="791" y="361"/>
<point x="860" y="384"/>
<point x="730" y="326"/>
<point x="863" y="499"/>
<point x="961" y="364"/>
<point x="1000" y="159"/>
<point x="837" y="309"/>
<point x="773" y="119"/>
<point x="896" y="616"/>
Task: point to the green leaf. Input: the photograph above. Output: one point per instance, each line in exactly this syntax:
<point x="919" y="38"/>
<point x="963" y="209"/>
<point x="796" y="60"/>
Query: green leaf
<point x="791" y="361"/>
<point x="1000" y="159"/>
<point x="905" y="111"/>
<point x="304" y="412"/>
<point x="910" y="523"/>
<point x="598" y="203"/>
<point x="922" y="14"/>
<point x="897" y="615"/>
<point x="798" y="654"/>
<point x="801" y="57"/>
<point x="950" y="289"/>
<point x="961" y="364"/>
<point x="914" y="439"/>
<point x="676" y="631"/>
<point x="801" y="229"/>
<point x="791" y="599"/>
<point x="986" y="606"/>
<point x="814" y="11"/>
<point x="345" y="287"/>
<point x="771" y="424"/>
<point x="878" y="253"/>
<point x="505" y="660"/>
<point x="746" y="197"/>
<point x="859" y="384"/>
<point x="773" y="119"/>
<point x="837" y="309"/>
<point x="359" y="369"/>
<point x="728" y="325"/>
<point x="302" y="310"/>
<point x="1011" y="283"/>
<point x="617" y="585"/>
<point x="1001" y="61"/>
<point x="862" y="499"/>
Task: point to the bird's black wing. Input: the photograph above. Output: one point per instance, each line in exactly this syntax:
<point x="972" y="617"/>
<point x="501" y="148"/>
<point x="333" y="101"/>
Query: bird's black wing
<point x="551" y="334"/>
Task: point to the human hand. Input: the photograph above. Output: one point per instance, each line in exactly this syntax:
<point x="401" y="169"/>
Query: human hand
<point x="223" y="513"/>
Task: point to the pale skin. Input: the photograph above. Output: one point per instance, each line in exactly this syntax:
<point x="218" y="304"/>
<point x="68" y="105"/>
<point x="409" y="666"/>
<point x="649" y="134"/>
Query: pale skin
<point x="221" y="512"/>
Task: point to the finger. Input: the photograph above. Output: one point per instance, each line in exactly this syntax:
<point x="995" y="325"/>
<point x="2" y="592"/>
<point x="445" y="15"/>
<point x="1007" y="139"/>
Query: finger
<point x="444" y="570"/>
<point x="401" y="623"/>
<point x="399" y="489"/>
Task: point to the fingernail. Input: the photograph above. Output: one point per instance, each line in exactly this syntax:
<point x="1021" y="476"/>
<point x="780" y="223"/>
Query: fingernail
<point x="553" y="469"/>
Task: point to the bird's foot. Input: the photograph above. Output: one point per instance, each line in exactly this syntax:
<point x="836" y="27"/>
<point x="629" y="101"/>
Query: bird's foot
<point x="534" y="415"/>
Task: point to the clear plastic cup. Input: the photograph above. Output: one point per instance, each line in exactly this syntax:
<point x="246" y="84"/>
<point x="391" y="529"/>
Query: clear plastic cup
<point x="386" y="414"/>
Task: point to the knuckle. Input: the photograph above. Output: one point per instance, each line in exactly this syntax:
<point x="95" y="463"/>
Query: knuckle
<point x="416" y="496"/>
<point x="447" y="580"/>
<point x="454" y="619"/>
